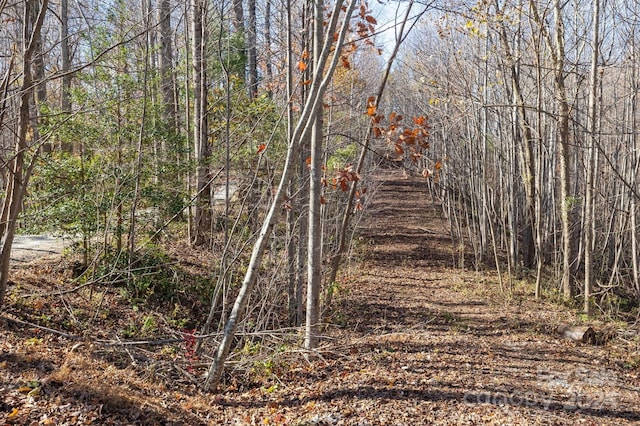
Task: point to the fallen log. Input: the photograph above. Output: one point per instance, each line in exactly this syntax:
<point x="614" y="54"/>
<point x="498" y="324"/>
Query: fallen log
<point x="578" y="333"/>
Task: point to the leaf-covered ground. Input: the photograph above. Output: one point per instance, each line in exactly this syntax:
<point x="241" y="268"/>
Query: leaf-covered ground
<point x="413" y="340"/>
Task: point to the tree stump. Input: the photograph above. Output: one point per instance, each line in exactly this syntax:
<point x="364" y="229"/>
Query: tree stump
<point x="578" y="333"/>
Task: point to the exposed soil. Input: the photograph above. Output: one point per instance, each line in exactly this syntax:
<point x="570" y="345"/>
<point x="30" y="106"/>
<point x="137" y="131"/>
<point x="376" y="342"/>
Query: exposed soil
<point x="413" y="341"/>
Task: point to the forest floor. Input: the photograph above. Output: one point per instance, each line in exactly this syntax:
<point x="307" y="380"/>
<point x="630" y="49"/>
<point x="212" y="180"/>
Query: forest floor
<point x="413" y="341"/>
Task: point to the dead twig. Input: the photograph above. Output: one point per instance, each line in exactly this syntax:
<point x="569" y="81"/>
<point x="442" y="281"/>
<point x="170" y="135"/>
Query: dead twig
<point x="125" y="343"/>
<point x="41" y="327"/>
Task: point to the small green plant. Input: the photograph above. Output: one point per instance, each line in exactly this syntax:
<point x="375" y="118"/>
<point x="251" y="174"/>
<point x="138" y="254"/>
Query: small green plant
<point x="583" y="318"/>
<point x="265" y="366"/>
<point x="250" y="348"/>
<point x="632" y="363"/>
<point x="572" y="202"/>
<point x="146" y="328"/>
<point x="45" y="319"/>
<point x="341" y="157"/>
<point x="448" y="318"/>
<point x="149" y="326"/>
<point x="339" y="319"/>
<point x="271" y="389"/>
<point x="333" y="289"/>
<point x="33" y="341"/>
<point x="263" y="369"/>
<point x="179" y="317"/>
<point x="169" y="351"/>
<point x="131" y="330"/>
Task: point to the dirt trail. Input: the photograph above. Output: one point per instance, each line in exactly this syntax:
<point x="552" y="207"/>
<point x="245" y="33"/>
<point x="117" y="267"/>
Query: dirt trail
<point x="429" y="344"/>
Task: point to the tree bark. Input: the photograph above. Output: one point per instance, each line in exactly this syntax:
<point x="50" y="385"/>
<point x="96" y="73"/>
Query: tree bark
<point x="525" y="149"/>
<point x="238" y="15"/>
<point x="314" y="250"/>
<point x="165" y="63"/>
<point x="267" y="47"/>
<point x="38" y="61"/>
<point x="252" y="51"/>
<point x="557" y="52"/>
<point x="65" y="97"/>
<point x="202" y="149"/>
<point x="141" y="132"/>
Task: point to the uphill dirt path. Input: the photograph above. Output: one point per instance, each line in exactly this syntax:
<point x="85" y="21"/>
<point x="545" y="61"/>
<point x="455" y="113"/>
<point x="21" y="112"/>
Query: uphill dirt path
<point x="425" y="343"/>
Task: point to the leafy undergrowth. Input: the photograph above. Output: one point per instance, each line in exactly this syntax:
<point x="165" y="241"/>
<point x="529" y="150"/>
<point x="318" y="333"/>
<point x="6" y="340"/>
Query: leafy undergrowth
<point x="412" y="340"/>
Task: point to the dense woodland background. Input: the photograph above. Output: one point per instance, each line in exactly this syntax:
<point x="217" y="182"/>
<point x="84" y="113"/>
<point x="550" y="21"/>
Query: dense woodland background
<point x="249" y="130"/>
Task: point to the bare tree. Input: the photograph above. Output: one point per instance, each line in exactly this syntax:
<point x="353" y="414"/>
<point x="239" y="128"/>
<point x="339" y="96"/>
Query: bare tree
<point x="589" y="214"/>
<point x="21" y="172"/>
<point x="303" y="127"/>
<point x="314" y="250"/>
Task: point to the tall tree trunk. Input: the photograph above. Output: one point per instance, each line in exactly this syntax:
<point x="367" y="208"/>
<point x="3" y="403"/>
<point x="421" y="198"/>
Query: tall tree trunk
<point x="538" y="161"/>
<point x="239" y="25"/>
<point x="202" y="150"/>
<point x="525" y="149"/>
<point x="137" y="171"/>
<point x="167" y="79"/>
<point x="38" y="61"/>
<point x="589" y="215"/>
<point x="188" y="119"/>
<point x="19" y="174"/>
<point x="293" y="239"/>
<point x="566" y="202"/>
<point x="65" y="57"/>
<point x="267" y="47"/>
<point x="4" y="91"/>
<point x="238" y="16"/>
<point x="633" y="108"/>
<point x="314" y="250"/>
<point x="302" y="177"/>
<point x="252" y="50"/>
